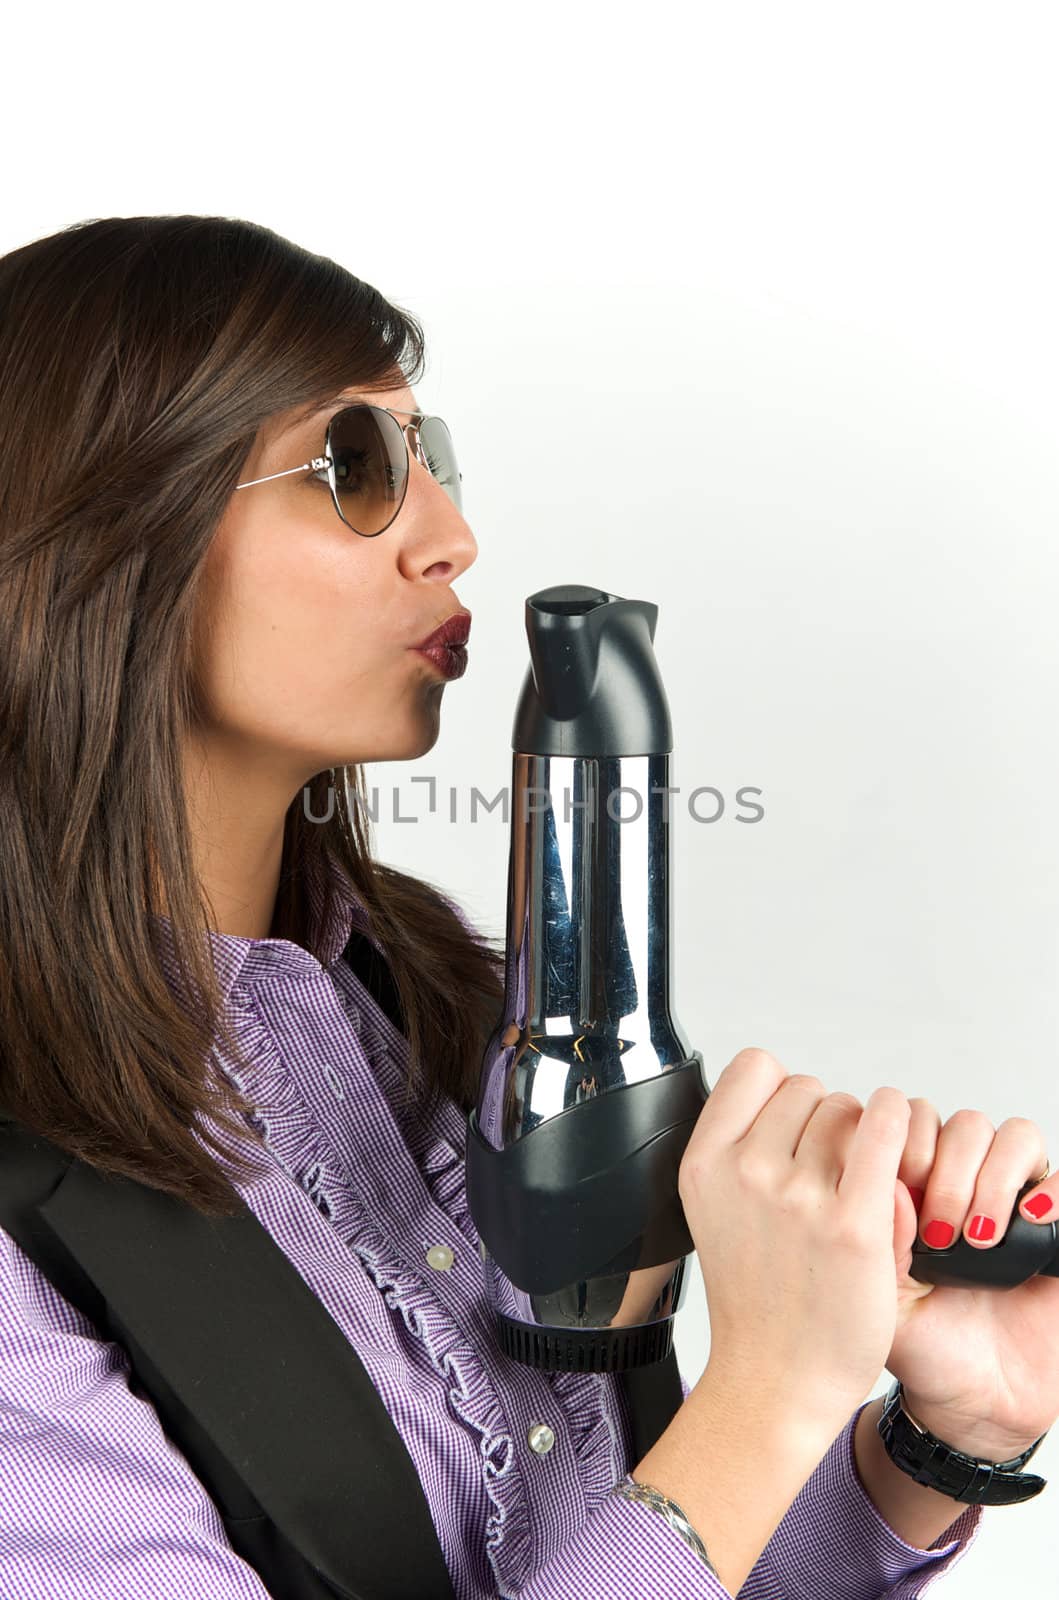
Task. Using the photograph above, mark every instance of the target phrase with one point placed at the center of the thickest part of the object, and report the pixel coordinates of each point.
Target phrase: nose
(438, 541)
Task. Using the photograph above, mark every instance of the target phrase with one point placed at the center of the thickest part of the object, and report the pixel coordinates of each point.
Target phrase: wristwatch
(930, 1461)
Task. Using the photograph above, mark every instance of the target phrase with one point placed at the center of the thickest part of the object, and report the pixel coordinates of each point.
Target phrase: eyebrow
(338, 401)
(334, 403)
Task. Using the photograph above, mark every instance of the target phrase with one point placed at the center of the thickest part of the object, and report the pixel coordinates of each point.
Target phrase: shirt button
(353, 1014)
(440, 1257)
(333, 1079)
(541, 1438)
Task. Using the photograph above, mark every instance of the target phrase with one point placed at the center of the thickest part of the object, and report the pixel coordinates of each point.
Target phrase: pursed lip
(453, 632)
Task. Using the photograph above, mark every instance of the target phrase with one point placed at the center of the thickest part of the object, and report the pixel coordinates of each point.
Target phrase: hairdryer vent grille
(585, 1349)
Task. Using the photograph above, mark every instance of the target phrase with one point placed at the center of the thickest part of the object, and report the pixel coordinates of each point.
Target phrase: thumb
(906, 1226)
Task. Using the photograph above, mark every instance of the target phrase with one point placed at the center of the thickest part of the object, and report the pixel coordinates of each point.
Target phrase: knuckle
(801, 1192)
(890, 1127)
(946, 1200)
(804, 1080)
(967, 1117)
(854, 1234)
(849, 1102)
(751, 1056)
(754, 1170)
(890, 1109)
(1019, 1125)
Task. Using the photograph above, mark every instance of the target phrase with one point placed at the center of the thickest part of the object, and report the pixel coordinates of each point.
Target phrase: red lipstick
(446, 647)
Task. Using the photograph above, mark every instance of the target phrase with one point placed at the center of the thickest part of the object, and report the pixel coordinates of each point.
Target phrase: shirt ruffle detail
(470, 1394)
(586, 1399)
(508, 1541)
(438, 1146)
(347, 1199)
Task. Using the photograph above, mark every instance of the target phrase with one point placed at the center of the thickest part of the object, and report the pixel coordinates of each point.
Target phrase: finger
(964, 1143)
(1042, 1205)
(749, 1080)
(828, 1136)
(781, 1121)
(875, 1153)
(920, 1152)
(1016, 1154)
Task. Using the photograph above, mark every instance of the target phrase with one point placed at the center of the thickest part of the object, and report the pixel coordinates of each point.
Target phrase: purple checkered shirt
(359, 1193)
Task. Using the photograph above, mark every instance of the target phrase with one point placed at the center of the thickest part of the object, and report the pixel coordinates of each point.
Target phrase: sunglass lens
(371, 467)
(441, 457)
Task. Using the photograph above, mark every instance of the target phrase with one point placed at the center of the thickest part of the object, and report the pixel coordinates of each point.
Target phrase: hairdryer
(589, 1091)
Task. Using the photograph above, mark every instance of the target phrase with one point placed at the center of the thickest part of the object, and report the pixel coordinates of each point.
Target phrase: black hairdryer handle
(1025, 1250)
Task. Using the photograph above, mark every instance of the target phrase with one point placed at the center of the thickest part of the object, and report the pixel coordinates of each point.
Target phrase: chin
(417, 743)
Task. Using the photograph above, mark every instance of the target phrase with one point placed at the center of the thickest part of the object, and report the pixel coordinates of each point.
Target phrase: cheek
(295, 630)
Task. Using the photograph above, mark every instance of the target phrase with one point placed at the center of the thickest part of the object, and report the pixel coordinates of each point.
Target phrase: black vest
(249, 1375)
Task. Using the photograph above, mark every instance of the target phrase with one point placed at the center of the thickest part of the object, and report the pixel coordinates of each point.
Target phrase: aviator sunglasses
(366, 462)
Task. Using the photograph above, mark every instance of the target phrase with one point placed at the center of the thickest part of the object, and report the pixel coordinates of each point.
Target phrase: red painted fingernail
(917, 1198)
(981, 1227)
(938, 1234)
(1039, 1206)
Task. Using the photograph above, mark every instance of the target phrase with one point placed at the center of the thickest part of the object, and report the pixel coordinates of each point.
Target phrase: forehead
(307, 424)
(400, 399)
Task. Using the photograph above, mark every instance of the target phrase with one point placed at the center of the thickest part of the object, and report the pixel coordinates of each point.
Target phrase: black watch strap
(938, 1466)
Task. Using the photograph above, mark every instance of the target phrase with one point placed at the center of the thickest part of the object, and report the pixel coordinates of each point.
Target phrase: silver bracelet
(647, 1495)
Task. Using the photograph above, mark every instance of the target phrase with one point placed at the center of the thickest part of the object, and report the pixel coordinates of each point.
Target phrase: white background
(749, 311)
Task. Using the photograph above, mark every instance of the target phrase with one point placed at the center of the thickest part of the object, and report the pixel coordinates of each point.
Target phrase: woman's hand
(788, 1195)
(980, 1367)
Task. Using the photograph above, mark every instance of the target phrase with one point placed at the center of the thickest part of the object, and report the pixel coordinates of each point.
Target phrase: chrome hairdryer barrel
(589, 1091)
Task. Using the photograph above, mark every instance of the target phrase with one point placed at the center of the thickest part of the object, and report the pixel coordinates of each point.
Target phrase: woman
(208, 624)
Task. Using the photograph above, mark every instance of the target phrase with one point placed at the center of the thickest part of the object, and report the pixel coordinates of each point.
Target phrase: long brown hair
(138, 358)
